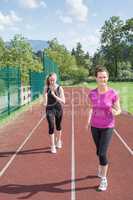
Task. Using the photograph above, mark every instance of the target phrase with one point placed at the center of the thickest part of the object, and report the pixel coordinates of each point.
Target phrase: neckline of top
(102, 93)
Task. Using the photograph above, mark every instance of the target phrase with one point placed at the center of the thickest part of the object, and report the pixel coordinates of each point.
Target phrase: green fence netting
(49, 67)
(37, 80)
(36, 84)
(9, 89)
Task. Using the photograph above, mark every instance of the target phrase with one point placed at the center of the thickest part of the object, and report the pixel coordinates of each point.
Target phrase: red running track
(36, 174)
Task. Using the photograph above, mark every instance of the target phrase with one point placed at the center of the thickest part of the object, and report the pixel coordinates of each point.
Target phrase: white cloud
(33, 3)
(8, 20)
(43, 4)
(65, 19)
(14, 17)
(77, 9)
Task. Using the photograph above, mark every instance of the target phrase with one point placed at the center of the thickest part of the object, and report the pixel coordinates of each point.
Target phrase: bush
(125, 75)
(79, 75)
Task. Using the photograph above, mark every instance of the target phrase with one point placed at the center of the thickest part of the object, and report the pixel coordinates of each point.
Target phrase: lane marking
(73, 156)
(123, 142)
(20, 147)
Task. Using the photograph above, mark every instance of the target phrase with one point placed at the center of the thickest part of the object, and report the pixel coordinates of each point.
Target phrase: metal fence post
(19, 87)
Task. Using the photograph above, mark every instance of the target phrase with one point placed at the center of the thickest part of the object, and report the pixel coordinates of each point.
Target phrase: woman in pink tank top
(103, 106)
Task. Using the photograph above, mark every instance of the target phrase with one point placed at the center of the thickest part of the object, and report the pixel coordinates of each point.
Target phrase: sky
(70, 21)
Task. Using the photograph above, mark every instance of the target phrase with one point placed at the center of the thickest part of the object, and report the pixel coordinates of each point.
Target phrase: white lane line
(123, 142)
(73, 156)
(20, 147)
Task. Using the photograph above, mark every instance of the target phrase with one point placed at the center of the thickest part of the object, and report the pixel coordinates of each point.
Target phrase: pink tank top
(102, 116)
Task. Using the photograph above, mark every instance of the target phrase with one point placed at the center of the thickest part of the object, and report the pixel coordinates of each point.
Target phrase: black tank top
(52, 102)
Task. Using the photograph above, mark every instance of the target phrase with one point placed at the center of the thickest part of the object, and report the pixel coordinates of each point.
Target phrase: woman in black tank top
(53, 100)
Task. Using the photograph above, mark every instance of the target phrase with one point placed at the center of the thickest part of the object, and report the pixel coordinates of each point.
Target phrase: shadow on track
(29, 151)
(31, 190)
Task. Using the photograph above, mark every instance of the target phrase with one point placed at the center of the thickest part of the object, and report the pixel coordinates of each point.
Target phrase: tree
(79, 55)
(19, 54)
(128, 39)
(87, 62)
(73, 52)
(2, 52)
(111, 40)
(60, 55)
(98, 59)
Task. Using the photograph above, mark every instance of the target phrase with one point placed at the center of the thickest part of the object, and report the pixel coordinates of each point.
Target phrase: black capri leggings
(102, 138)
(54, 117)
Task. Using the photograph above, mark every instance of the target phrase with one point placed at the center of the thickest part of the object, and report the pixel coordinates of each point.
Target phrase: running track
(29, 171)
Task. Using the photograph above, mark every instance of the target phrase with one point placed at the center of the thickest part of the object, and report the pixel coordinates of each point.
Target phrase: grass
(124, 89)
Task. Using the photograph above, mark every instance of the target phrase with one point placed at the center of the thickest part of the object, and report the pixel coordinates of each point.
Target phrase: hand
(114, 112)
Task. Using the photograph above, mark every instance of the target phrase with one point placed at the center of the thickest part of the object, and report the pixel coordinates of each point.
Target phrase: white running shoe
(59, 144)
(103, 184)
(53, 149)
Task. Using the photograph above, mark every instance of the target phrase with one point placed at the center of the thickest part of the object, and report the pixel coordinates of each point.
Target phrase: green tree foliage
(125, 72)
(2, 52)
(73, 65)
(112, 44)
(98, 59)
(117, 47)
(128, 31)
(79, 55)
(79, 74)
(60, 55)
(83, 59)
(128, 39)
(19, 54)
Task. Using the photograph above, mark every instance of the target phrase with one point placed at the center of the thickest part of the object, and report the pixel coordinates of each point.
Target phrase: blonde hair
(47, 79)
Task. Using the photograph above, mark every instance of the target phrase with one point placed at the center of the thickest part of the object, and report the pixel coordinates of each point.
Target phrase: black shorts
(54, 118)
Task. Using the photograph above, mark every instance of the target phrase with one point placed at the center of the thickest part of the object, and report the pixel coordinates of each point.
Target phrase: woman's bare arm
(116, 109)
(62, 97)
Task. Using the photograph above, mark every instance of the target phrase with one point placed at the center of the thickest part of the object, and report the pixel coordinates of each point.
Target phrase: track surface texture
(28, 170)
